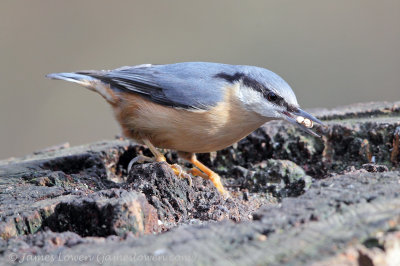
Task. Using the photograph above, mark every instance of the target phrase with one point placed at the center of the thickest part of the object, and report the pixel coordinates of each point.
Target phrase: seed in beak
(300, 119)
(305, 121)
(308, 123)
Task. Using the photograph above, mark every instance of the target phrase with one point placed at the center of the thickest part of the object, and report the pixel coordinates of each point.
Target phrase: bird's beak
(303, 120)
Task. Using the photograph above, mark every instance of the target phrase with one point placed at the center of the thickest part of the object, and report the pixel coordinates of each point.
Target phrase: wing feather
(191, 85)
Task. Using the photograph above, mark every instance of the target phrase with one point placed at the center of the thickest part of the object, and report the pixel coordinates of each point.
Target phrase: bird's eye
(272, 97)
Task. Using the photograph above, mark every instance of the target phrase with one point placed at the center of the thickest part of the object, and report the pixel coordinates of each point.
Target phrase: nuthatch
(193, 107)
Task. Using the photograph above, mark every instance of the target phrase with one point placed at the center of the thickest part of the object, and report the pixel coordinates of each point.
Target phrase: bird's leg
(159, 157)
(196, 172)
(205, 172)
(157, 154)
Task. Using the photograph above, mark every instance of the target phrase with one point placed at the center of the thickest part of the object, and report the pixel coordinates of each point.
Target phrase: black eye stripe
(246, 80)
(252, 83)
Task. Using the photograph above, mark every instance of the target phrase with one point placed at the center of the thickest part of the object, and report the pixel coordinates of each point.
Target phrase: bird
(193, 107)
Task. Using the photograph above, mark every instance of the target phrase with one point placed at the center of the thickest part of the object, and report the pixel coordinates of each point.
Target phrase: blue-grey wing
(192, 85)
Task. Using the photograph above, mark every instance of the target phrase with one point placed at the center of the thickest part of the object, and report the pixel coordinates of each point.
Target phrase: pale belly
(187, 131)
(200, 139)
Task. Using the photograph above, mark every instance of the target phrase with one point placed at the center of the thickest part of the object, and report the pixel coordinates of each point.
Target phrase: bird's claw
(179, 172)
(139, 159)
(214, 178)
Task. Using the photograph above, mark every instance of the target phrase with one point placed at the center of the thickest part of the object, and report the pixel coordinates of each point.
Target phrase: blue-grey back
(193, 85)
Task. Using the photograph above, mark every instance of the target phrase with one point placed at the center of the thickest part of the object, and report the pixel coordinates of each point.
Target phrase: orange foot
(205, 172)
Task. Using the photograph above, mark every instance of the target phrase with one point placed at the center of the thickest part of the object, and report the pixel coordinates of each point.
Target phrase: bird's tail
(86, 80)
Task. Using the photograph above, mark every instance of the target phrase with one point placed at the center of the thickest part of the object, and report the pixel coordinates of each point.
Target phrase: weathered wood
(80, 201)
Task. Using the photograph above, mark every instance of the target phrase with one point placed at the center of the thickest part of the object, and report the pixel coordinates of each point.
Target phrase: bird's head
(267, 94)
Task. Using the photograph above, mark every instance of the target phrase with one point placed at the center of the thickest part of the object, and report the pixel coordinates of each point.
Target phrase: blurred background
(331, 53)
